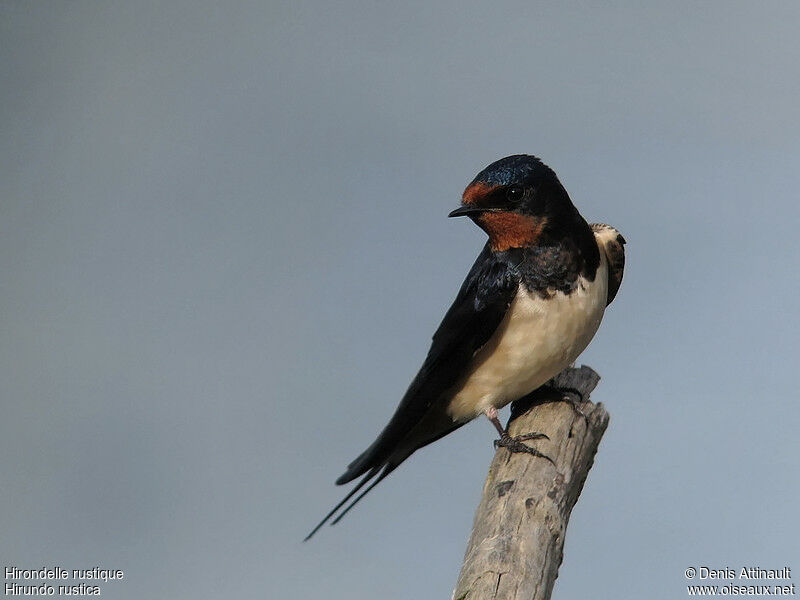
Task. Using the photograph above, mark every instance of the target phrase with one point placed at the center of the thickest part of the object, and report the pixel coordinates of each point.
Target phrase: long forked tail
(372, 473)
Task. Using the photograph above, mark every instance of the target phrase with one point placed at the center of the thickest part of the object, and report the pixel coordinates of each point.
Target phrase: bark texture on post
(517, 538)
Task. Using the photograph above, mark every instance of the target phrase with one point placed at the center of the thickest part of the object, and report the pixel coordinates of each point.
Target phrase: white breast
(536, 340)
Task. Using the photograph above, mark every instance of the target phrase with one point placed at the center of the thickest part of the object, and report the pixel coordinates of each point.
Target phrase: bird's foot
(533, 435)
(575, 399)
(515, 445)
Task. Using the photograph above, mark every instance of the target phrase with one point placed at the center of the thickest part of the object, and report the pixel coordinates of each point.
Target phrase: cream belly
(537, 338)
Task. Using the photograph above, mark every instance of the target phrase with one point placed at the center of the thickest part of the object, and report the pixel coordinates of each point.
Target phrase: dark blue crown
(514, 169)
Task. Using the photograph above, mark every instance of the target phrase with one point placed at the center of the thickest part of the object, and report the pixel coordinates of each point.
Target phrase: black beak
(467, 211)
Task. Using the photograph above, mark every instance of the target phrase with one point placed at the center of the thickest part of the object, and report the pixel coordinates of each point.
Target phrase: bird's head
(518, 201)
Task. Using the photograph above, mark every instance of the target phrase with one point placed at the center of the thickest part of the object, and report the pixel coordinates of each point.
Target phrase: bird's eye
(514, 193)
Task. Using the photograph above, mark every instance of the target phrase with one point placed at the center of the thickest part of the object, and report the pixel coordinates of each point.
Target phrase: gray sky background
(223, 250)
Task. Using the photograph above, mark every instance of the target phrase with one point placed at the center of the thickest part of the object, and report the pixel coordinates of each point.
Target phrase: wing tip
(355, 470)
(345, 478)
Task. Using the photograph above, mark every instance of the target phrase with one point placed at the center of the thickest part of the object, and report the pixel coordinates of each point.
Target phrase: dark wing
(613, 244)
(420, 418)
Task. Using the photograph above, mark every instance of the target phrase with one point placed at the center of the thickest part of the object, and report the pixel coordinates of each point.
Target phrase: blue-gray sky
(223, 250)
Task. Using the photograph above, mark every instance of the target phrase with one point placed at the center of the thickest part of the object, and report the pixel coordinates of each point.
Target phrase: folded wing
(613, 244)
(421, 416)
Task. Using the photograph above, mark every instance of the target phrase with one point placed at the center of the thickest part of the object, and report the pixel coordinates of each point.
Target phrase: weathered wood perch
(517, 538)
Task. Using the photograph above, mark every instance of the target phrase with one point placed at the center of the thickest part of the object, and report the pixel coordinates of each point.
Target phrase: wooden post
(517, 538)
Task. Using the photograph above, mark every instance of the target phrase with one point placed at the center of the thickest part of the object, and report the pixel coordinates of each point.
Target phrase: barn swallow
(529, 306)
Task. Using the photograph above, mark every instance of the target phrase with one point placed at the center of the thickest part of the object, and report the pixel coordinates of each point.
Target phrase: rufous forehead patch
(476, 192)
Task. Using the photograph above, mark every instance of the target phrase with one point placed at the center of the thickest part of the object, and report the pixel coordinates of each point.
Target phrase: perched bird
(529, 306)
